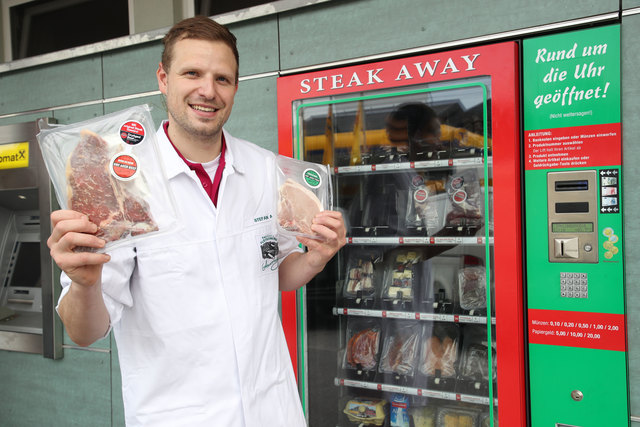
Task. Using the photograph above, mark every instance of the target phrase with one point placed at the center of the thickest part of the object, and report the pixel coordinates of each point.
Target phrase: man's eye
(191, 73)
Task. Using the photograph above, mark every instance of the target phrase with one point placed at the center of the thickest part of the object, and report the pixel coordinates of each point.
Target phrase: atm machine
(28, 322)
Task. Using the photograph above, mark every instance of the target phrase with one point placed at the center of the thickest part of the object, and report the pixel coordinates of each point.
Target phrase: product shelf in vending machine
(417, 321)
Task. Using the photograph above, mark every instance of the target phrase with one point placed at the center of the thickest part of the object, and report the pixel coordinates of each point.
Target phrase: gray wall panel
(78, 114)
(353, 28)
(156, 102)
(73, 391)
(630, 31)
(60, 83)
(254, 115)
(257, 45)
(131, 70)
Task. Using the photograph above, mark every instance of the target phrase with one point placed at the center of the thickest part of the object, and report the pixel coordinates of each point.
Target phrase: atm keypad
(574, 285)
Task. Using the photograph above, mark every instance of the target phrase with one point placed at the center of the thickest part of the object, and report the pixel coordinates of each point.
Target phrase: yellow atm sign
(14, 156)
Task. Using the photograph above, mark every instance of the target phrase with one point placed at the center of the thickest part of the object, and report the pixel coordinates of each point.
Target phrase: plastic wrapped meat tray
(109, 169)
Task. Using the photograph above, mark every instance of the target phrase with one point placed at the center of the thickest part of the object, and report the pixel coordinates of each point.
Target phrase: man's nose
(208, 89)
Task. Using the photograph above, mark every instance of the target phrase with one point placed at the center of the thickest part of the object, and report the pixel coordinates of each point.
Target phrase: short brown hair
(200, 28)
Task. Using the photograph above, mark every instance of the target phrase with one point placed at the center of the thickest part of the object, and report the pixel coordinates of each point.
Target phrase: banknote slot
(572, 207)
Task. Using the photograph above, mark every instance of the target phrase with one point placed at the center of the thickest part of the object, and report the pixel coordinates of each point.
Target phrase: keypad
(574, 285)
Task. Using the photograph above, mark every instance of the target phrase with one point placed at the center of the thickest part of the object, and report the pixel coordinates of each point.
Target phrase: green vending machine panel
(573, 225)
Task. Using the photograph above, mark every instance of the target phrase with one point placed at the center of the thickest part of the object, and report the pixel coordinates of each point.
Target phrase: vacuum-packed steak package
(109, 169)
(304, 189)
(400, 349)
(363, 344)
(466, 201)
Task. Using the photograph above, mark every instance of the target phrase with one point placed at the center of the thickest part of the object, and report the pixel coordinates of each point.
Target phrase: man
(195, 312)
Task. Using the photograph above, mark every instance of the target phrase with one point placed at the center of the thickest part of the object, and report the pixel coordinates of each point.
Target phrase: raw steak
(297, 207)
(108, 203)
(362, 349)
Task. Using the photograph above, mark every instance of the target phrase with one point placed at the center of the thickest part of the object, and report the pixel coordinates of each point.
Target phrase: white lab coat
(196, 318)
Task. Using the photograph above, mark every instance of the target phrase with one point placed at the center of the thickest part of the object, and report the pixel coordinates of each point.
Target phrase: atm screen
(26, 271)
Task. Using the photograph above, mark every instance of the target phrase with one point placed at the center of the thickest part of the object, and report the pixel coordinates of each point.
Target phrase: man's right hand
(71, 229)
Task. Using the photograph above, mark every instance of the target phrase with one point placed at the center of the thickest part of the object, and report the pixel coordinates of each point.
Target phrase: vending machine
(419, 319)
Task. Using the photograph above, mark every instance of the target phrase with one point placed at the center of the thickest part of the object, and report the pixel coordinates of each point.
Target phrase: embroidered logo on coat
(269, 249)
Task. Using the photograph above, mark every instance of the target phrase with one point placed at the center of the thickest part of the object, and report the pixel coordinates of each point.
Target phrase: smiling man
(195, 312)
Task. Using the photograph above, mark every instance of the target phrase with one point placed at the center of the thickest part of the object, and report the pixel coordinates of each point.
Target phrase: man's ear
(161, 74)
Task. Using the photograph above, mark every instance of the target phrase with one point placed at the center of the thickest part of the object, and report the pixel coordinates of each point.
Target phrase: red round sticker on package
(132, 132)
(420, 195)
(459, 196)
(124, 166)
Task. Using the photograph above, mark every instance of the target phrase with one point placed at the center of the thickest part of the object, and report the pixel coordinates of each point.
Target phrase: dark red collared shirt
(212, 188)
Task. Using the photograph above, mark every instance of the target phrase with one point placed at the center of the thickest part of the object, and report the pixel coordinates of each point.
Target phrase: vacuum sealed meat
(465, 206)
(304, 190)
(400, 349)
(474, 358)
(363, 340)
(115, 208)
(472, 286)
(426, 204)
(440, 352)
(109, 169)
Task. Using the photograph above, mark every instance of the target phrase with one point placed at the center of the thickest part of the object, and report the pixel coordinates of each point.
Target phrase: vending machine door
(418, 319)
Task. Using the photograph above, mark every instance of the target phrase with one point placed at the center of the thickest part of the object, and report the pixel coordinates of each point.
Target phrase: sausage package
(363, 345)
(304, 189)
(109, 168)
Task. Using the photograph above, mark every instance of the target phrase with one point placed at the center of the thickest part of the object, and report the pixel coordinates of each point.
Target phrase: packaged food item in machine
(472, 288)
(423, 416)
(465, 207)
(109, 168)
(304, 189)
(362, 346)
(439, 354)
(474, 360)
(426, 202)
(366, 411)
(399, 414)
(401, 278)
(362, 270)
(452, 416)
(400, 349)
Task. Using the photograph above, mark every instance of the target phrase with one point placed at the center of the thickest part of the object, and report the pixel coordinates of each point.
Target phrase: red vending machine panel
(418, 320)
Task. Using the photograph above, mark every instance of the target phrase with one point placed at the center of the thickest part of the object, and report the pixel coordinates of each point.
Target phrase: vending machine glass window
(410, 175)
